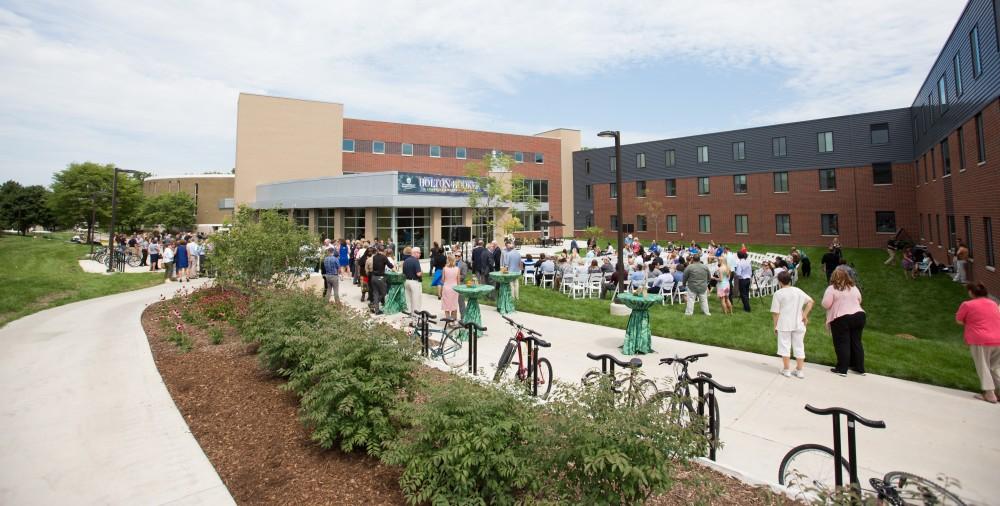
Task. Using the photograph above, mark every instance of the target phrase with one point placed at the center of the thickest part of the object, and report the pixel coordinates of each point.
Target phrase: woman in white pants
(790, 308)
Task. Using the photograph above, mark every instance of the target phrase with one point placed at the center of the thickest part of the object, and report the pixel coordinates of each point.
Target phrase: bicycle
(636, 392)
(448, 346)
(896, 487)
(539, 370)
(687, 407)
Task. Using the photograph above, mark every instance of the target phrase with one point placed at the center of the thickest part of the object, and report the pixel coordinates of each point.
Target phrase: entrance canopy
(372, 189)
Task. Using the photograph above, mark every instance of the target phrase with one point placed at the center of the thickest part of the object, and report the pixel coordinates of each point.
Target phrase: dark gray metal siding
(851, 143)
(978, 92)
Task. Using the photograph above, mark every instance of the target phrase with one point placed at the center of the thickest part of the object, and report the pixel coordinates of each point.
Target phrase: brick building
(212, 193)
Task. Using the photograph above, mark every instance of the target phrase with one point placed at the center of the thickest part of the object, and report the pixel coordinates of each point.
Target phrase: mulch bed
(249, 429)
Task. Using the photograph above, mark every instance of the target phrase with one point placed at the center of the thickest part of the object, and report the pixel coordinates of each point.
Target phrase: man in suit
(484, 265)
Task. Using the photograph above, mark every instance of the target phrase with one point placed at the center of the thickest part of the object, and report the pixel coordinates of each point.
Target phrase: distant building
(213, 195)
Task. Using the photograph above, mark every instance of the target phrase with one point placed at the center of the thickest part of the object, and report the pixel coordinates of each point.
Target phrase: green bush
(468, 444)
(276, 312)
(262, 248)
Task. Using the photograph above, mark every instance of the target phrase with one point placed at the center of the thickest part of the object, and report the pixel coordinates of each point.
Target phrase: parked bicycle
(814, 466)
(443, 343)
(534, 372)
(703, 404)
(629, 388)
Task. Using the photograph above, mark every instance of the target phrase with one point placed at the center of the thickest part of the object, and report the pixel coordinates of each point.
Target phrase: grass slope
(894, 305)
(41, 273)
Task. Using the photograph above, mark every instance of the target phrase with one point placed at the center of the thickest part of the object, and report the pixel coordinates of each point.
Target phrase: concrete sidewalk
(85, 417)
(930, 430)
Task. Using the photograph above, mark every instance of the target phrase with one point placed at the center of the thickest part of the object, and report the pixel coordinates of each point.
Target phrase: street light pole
(114, 204)
(620, 266)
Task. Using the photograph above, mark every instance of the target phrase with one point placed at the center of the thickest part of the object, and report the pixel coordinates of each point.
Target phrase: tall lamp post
(114, 209)
(620, 266)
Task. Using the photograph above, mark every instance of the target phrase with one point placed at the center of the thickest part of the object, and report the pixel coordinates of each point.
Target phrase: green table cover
(395, 301)
(472, 295)
(505, 298)
(637, 334)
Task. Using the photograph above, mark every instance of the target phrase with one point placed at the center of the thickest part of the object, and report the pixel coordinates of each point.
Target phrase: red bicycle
(535, 373)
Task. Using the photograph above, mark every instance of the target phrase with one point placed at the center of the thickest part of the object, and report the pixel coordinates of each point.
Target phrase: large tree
(22, 207)
(81, 193)
(499, 189)
(173, 211)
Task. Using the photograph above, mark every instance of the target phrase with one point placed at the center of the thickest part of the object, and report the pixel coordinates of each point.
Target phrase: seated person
(637, 277)
(545, 267)
(661, 282)
(594, 268)
(607, 266)
(610, 284)
(678, 275)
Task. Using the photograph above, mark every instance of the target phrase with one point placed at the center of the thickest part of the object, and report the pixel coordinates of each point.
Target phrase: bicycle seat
(635, 362)
(875, 424)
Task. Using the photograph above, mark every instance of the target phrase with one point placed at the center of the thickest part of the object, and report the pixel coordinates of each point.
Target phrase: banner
(436, 185)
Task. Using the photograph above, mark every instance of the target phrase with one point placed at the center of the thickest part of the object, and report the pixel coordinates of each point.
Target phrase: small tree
(173, 211)
(262, 248)
(495, 194)
(653, 209)
(593, 233)
(511, 225)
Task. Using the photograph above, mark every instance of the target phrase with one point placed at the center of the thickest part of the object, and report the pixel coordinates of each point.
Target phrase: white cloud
(154, 85)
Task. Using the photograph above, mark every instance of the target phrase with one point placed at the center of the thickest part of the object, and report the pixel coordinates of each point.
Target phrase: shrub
(468, 444)
(262, 248)
(274, 312)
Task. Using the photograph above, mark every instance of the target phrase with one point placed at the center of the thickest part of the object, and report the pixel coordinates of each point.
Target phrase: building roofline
(290, 98)
(530, 136)
(190, 176)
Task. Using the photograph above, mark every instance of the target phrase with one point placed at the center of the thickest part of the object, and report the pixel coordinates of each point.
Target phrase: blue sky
(153, 85)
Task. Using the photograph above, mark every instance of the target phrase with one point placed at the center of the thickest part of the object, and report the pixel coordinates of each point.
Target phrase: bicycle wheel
(451, 351)
(544, 378)
(591, 378)
(811, 467)
(713, 422)
(642, 392)
(505, 357)
(671, 402)
(913, 489)
(134, 260)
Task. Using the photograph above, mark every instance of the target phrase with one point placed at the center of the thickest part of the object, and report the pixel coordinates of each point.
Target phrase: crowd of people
(181, 256)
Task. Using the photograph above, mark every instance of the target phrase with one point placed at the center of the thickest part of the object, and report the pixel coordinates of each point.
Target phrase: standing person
(744, 273)
(193, 257)
(181, 261)
(846, 319)
(463, 272)
(154, 255)
(790, 309)
(438, 261)
(144, 245)
(331, 274)
(168, 262)
(413, 285)
(722, 285)
(696, 277)
(362, 269)
(830, 262)
(961, 261)
(512, 260)
(343, 257)
(485, 265)
(981, 318)
(376, 278)
(450, 278)
(806, 264)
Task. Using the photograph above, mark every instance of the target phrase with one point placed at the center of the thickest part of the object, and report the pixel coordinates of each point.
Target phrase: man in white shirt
(790, 309)
(192, 250)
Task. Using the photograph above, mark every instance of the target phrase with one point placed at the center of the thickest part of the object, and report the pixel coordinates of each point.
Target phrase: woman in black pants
(846, 320)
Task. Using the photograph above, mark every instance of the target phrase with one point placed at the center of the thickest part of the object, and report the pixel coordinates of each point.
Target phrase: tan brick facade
(208, 190)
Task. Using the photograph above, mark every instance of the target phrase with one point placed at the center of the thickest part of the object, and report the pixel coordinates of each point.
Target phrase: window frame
(745, 220)
(824, 142)
(895, 226)
(519, 157)
(883, 165)
(825, 219)
(823, 180)
(945, 157)
(671, 223)
(430, 151)
(980, 140)
(640, 160)
(354, 145)
(977, 61)
(464, 152)
(586, 165)
(871, 133)
(704, 223)
(402, 149)
(613, 163)
(960, 133)
(640, 189)
(739, 151)
(774, 181)
(699, 151)
(613, 190)
(588, 191)
(991, 261)
(942, 86)
(670, 158)
(787, 221)
(539, 158)
(707, 186)
(967, 223)
(746, 184)
(956, 67)
(374, 143)
(640, 219)
(613, 222)
(670, 183)
(779, 147)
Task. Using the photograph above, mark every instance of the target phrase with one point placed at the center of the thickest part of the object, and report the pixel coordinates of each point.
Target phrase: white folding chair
(567, 283)
(579, 286)
(594, 285)
(529, 274)
(548, 280)
(667, 291)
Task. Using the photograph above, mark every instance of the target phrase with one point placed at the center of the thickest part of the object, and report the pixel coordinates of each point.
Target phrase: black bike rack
(423, 323)
(703, 379)
(608, 363)
(852, 449)
(473, 330)
(533, 344)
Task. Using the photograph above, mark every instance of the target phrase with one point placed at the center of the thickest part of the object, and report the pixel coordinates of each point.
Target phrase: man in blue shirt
(512, 260)
(654, 248)
(331, 275)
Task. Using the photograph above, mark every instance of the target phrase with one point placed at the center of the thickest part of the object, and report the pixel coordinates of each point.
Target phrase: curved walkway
(85, 417)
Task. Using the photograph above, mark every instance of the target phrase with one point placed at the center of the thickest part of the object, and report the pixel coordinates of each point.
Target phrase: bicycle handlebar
(690, 359)
(522, 327)
(635, 362)
(875, 424)
(715, 384)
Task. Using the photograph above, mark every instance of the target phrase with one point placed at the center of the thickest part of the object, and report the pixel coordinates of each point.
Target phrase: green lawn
(39, 273)
(895, 306)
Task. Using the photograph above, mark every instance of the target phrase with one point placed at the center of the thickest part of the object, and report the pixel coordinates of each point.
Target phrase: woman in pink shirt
(981, 318)
(846, 320)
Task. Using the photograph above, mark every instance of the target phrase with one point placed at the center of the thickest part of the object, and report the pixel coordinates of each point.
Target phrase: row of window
(885, 222)
(934, 223)
(881, 175)
(434, 151)
(946, 153)
(879, 134)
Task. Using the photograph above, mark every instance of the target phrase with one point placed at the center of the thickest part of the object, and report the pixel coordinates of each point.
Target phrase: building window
(977, 63)
(778, 146)
(324, 223)
(827, 179)
(383, 222)
(589, 191)
(702, 154)
(451, 219)
(980, 139)
(586, 165)
(882, 173)
(933, 165)
(879, 133)
(481, 224)
(740, 183)
(671, 187)
(532, 220)
(705, 223)
(951, 231)
(378, 147)
(435, 151)
(703, 188)
(988, 242)
(824, 141)
(670, 157)
(348, 145)
(539, 158)
(534, 189)
(461, 153)
(956, 66)
(921, 221)
(930, 227)
(614, 165)
(968, 235)
(782, 224)
(406, 149)
(614, 222)
(780, 182)
(671, 223)
(942, 95)
(301, 217)
(742, 224)
(945, 158)
(614, 190)
(413, 227)
(640, 188)
(740, 150)
(929, 109)
(640, 161)
(640, 223)
(518, 157)
(829, 224)
(961, 149)
(885, 221)
(354, 223)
